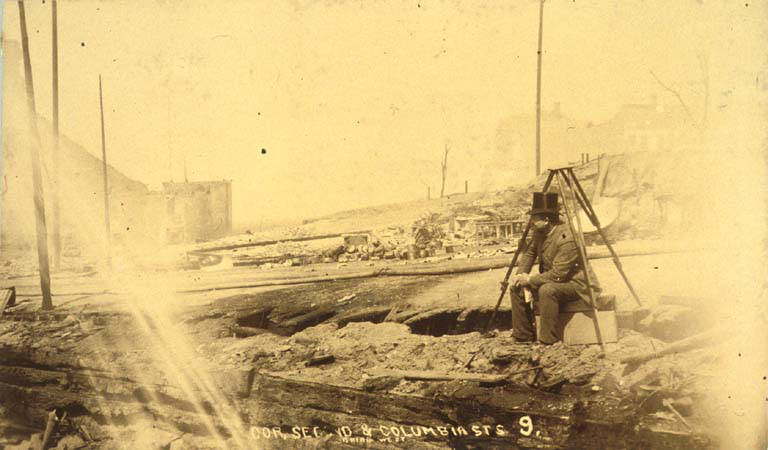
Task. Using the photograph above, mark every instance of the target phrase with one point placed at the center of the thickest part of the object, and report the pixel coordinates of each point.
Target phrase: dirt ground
(184, 344)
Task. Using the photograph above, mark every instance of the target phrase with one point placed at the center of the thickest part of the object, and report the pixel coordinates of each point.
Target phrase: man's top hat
(544, 203)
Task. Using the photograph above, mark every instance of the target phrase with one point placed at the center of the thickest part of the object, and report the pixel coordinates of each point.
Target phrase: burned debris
(380, 315)
(166, 283)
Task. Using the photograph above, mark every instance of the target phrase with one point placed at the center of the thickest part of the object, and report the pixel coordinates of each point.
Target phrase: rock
(304, 340)
(502, 355)
(673, 322)
(320, 360)
(684, 405)
(346, 298)
(316, 333)
(70, 442)
(70, 319)
(380, 383)
(619, 181)
(178, 444)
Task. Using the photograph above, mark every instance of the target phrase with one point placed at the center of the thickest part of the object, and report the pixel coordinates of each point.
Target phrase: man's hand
(521, 279)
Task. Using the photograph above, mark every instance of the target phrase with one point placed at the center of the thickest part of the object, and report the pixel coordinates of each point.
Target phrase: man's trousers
(548, 297)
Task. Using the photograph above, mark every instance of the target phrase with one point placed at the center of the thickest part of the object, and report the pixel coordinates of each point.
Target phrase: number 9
(526, 425)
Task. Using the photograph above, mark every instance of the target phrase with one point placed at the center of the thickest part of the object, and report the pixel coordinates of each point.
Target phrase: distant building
(197, 211)
(465, 225)
(516, 140)
(653, 127)
(180, 212)
(649, 126)
(485, 225)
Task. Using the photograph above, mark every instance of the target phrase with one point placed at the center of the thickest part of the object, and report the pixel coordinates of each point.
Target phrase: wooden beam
(276, 241)
(431, 375)
(7, 298)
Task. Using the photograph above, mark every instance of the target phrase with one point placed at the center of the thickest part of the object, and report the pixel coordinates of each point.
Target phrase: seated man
(561, 278)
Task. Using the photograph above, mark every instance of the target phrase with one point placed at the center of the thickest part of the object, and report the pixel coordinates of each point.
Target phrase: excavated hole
(257, 320)
(75, 409)
(447, 323)
(438, 324)
(287, 327)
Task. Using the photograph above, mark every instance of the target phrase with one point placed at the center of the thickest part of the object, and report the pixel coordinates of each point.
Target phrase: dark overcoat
(559, 261)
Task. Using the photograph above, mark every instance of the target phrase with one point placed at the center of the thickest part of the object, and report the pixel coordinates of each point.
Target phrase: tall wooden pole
(56, 159)
(538, 90)
(106, 182)
(37, 182)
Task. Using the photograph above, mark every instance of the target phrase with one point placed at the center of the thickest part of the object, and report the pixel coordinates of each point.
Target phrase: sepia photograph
(384, 224)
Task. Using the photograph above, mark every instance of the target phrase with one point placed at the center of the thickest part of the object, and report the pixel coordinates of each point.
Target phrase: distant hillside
(640, 195)
(649, 194)
(377, 217)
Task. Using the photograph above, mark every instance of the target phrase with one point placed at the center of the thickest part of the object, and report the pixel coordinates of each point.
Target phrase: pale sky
(353, 101)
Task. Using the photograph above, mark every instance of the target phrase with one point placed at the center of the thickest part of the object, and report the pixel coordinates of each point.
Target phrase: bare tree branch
(704, 65)
(677, 95)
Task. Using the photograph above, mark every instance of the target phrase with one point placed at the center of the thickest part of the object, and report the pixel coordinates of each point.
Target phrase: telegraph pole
(37, 182)
(538, 91)
(106, 182)
(56, 156)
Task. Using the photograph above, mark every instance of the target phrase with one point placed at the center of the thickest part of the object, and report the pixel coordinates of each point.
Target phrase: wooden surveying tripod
(569, 184)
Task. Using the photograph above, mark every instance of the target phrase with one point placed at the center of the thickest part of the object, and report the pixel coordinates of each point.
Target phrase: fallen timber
(271, 409)
(273, 241)
(37, 380)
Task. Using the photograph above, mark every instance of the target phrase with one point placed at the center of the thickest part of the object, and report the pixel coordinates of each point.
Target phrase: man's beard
(540, 226)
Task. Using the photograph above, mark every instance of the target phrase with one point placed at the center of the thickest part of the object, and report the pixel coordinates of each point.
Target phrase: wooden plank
(684, 345)
(431, 375)
(271, 403)
(7, 298)
(285, 403)
(276, 241)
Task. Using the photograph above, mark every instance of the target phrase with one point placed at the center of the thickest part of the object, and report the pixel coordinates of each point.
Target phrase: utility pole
(538, 90)
(106, 182)
(37, 181)
(56, 156)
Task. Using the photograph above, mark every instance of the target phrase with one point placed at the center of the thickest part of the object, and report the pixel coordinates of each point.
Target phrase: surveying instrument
(571, 191)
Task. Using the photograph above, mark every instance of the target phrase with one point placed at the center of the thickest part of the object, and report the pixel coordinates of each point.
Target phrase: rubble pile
(325, 332)
(361, 349)
(653, 197)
